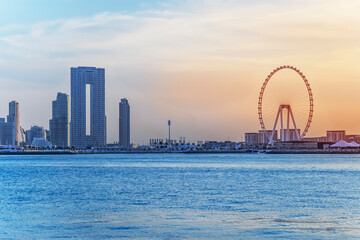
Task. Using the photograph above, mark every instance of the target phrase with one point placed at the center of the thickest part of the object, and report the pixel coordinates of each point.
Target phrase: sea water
(180, 196)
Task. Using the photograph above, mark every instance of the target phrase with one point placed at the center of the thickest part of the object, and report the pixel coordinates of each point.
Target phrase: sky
(199, 63)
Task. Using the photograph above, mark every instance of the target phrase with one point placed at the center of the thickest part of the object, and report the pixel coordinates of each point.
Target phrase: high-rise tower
(124, 123)
(14, 118)
(80, 78)
(59, 124)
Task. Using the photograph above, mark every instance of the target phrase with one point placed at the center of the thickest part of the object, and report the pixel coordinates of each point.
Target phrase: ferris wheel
(286, 91)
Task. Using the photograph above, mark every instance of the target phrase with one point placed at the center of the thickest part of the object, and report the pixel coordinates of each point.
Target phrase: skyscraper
(124, 123)
(95, 78)
(14, 118)
(59, 124)
(10, 130)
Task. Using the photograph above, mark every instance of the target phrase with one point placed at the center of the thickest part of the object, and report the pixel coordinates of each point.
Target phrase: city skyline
(206, 72)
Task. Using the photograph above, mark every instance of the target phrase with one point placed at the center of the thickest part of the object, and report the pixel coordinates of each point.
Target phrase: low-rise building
(251, 138)
(217, 146)
(296, 145)
(35, 132)
(155, 143)
(335, 136)
(350, 138)
(40, 142)
(260, 138)
(264, 136)
(314, 139)
(292, 135)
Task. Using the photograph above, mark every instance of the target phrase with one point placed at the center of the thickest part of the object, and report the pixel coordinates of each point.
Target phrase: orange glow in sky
(200, 64)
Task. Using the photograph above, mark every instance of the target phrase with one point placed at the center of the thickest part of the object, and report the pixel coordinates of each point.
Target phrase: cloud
(190, 57)
(198, 31)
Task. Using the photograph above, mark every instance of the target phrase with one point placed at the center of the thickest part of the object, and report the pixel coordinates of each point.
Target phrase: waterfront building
(251, 138)
(307, 145)
(220, 146)
(263, 136)
(314, 139)
(171, 142)
(124, 123)
(351, 138)
(59, 124)
(10, 130)
(14, 117)
(182, 140)
(35, 132)
(156, 143)
(260, 138)
(292, 135)
(335, 136)
(95, 79)
(7, 133)
(2, 124)
(41, 142)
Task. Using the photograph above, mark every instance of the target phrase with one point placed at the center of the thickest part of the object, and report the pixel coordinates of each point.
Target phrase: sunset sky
(199, 63)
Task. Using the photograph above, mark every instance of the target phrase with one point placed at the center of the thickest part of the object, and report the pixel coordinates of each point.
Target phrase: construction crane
(23, 134)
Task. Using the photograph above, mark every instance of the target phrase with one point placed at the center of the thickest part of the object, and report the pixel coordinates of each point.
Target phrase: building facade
(351, 138)
(10, 129)
(80, 78)
(260, 138)
(124, 123)
(335, 136)
(296, 145)
(263, 136)
(251, 138)
(314, 139)
(35, 132)
(14, 117)
(60, 124)
(292, 135)
(8, 133)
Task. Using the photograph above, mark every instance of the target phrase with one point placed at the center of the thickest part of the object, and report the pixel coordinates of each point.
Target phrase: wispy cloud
(200, 31)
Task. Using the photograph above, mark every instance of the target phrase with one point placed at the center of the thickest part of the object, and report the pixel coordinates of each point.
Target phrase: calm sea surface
(180, 196)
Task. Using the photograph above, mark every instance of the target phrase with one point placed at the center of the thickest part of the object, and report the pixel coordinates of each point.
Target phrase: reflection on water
(174, 196)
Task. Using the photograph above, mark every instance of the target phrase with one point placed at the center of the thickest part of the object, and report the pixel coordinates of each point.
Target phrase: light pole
(169, 124)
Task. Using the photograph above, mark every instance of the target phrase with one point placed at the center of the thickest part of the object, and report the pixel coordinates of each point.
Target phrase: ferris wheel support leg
(293, 120)
(271, 140)
(282, 123)
(288, 125)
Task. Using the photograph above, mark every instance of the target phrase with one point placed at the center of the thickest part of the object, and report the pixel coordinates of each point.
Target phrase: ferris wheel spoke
(286, 86)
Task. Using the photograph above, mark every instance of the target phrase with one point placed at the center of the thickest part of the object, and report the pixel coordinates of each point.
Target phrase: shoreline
(280, 152)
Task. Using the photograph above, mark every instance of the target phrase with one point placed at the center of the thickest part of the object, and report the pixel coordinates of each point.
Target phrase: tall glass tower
(59, 124)
(14, 118)
(80, 78)
(124, 123)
